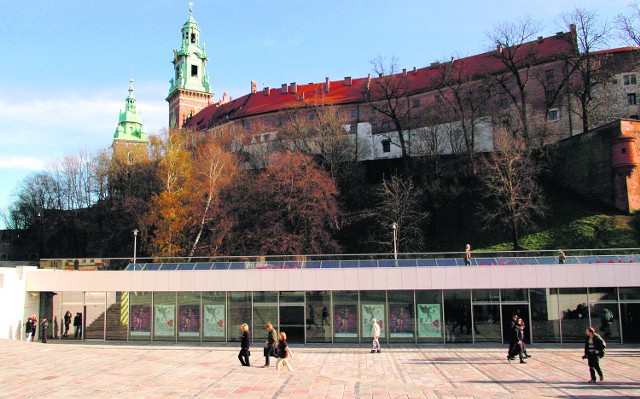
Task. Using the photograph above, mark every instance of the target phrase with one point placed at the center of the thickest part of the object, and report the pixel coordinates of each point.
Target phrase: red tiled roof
(616, 50)
(421, 80)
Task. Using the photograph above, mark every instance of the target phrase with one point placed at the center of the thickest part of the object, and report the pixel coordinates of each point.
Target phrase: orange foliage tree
(289, 208)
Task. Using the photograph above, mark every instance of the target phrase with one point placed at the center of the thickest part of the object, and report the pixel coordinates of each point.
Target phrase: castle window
(631, 99)
(374, 128)
(193, 38)
(629, 80)
(550, 96)
(554, 115)
(416, 103)
(503, 103)
(353, 129)
(373, 111)
(438, 99)
(353, 113)
(247, 125)
(130, 158)
(311, 116)
(194, 70)
(548, 74)
(385, 126)
(279, 121)
(386, 145)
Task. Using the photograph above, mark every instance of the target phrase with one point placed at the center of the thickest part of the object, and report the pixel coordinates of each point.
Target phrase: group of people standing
(77, 325)
(275, 346)
(31, 327)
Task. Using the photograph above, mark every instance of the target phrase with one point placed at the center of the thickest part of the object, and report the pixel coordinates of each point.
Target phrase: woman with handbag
(244, 346)
(284, 353)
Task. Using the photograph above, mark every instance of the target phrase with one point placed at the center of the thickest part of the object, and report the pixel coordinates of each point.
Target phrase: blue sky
(66, 64)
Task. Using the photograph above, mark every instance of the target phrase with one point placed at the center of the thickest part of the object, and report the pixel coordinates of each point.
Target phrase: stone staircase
(116, 323)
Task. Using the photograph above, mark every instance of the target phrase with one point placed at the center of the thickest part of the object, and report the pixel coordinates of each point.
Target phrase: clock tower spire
(190, 90)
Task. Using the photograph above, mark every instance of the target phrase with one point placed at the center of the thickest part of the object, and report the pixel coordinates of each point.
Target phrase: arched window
(193, 38)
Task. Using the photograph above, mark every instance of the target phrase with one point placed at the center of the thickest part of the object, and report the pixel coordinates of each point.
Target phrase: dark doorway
(292, 322)
(522, 310)
(630, 322)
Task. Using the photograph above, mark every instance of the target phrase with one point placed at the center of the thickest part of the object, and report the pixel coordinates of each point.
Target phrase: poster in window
(400, 323)
(214, 321)
(189, 320)
(346, 321)
(140, 320)
(429, 323)
(370, 312)
(164, 320)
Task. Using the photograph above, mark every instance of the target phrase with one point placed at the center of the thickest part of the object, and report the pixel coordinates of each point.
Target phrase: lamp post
(395, 242)
(135, 242)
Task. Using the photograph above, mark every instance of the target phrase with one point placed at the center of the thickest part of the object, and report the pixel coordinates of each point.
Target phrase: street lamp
(395, 242)
(135, 242)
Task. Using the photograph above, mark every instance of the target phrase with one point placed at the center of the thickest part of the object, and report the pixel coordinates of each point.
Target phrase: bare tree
(586, 72)
(388, 94)
(518, 55)
(629, 25)
(512, 193)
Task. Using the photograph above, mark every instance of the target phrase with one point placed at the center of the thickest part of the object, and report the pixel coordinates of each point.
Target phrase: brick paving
(153, 370)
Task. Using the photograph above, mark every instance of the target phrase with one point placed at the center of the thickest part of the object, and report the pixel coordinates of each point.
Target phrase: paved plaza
(153, 370)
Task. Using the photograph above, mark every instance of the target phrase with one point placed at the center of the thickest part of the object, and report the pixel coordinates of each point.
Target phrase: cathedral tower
(190, 91)
(130, 138)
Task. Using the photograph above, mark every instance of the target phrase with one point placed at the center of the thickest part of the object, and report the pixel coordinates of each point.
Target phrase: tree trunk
(201, 226)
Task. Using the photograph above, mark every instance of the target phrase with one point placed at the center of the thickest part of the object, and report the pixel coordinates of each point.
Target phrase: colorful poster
(189, 320)
(400, 321)
(140, 320)
(429, 323)
(164, 320)
(370, 312)
(213, 321)
(346, 322)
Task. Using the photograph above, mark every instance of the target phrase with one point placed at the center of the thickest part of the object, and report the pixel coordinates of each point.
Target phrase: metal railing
(343, 261)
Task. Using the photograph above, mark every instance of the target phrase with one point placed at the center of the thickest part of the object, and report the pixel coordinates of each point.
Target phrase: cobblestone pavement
(121, 370)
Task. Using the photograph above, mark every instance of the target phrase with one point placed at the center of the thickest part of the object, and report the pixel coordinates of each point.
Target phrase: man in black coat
(44, 326)
(513, 338)
(77, 325)
(594, 347)
(244, 346)
(272, 341)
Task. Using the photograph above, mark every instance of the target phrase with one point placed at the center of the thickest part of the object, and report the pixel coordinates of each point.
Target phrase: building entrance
(292, 322)
(522, 310)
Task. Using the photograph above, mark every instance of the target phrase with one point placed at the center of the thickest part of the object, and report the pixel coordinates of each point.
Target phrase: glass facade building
(435, 316)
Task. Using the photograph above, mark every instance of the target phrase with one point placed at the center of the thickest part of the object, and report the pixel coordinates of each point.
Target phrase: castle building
(130, 138)
(190, 91)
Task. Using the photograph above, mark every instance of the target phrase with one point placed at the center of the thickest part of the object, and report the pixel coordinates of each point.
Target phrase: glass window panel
(265, 310)
(57, 325)
(140, 316)
(574, 313)
(426, 262)
(629, 293)
(429, 316)
(457, 313)
(401, 316)
(345, 316)
(630, 322)
(239, 313)
(164, 316)
(514, 295)
(603, 294)
(373, 306)
(606, 320)
(486, 320)
(508, 311)
(214, 316)
(545, 315)
(188, 320)
(486, 295)
(318, 316)
(94, 315)
(117, 315)
(74, 303)
(291, 297)
(292, 320)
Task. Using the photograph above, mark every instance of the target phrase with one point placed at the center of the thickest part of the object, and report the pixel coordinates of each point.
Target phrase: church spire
(190, 89)
(130, 120)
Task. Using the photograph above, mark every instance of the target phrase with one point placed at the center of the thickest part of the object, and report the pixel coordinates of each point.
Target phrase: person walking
(284, 353)
(270, 348)
(325, 316)
(77, 325)
(467, 255)
(513, 338)
(67, 323)
(30, 327)
(375, 333)
(562, 258)
(44, 326)
(519, 341)
(244, 346)
(594, 347)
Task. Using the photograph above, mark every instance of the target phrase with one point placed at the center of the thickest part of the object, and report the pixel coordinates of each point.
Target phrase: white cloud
(21, 162)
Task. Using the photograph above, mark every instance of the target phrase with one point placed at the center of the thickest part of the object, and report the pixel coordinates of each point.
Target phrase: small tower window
(193, 38)
(194, 70)
(130, 158)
